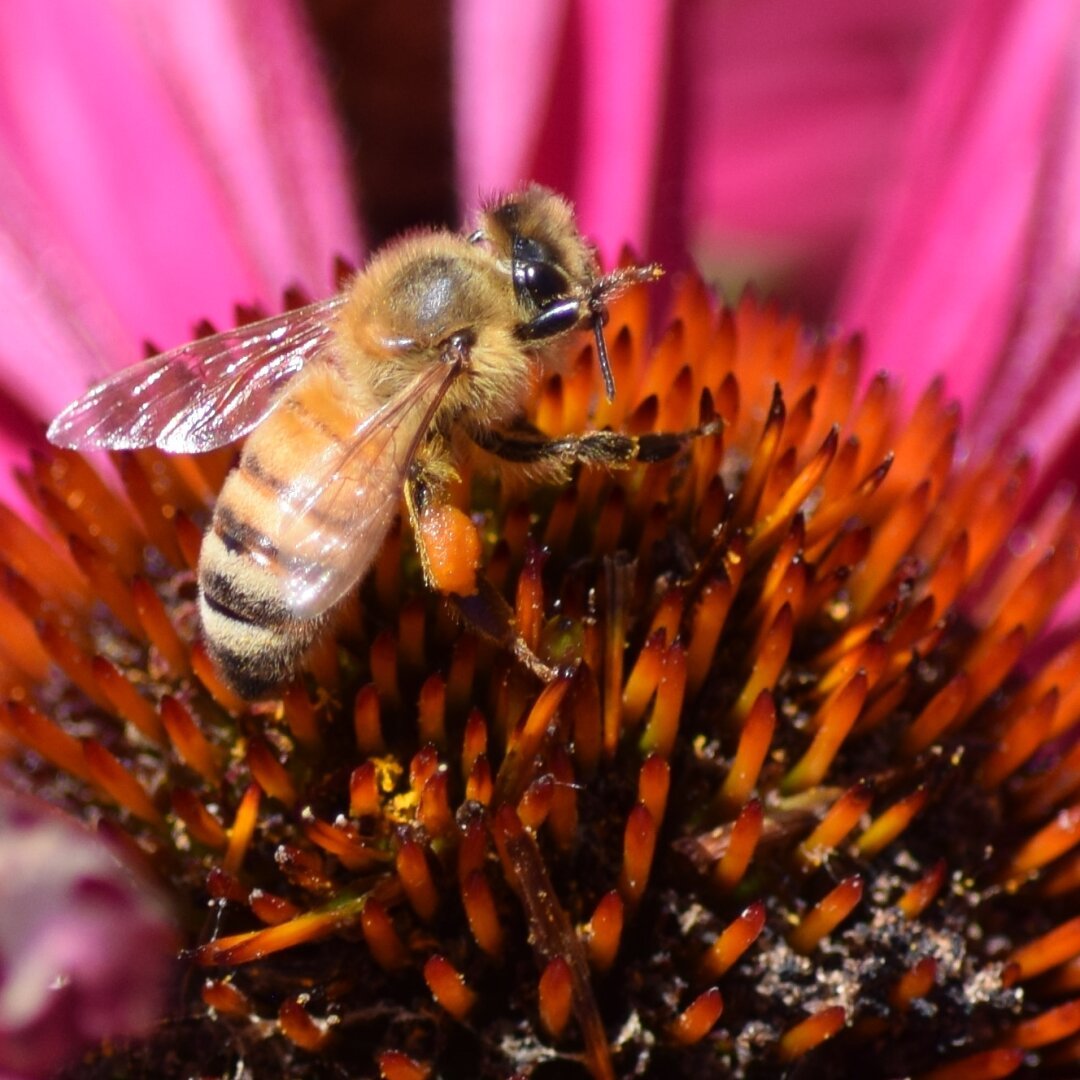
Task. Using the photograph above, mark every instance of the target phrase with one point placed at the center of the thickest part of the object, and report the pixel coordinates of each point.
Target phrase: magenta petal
(603, 126)
(938, 281)
(58, 325)
(164, 161)
(259, 117)
(85, 947)
(1035, 389)
(795, 113)
(1045, 413)
(504, 63)
(625, 59)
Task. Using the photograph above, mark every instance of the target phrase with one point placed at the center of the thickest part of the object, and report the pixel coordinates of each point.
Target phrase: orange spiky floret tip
(804, 797)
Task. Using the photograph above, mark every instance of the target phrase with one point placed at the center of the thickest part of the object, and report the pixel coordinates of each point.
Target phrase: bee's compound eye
(541, 281)
(536, 273)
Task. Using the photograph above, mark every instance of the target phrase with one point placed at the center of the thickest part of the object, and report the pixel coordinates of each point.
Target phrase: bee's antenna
(599, 319)
(609, 285)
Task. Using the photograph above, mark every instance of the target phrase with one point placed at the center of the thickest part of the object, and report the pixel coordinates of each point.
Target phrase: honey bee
(354, 400)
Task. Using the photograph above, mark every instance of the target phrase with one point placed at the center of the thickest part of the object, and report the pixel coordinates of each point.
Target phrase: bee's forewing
(335, 514)
(202, 395)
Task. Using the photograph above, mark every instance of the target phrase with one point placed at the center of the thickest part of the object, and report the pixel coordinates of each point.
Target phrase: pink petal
(504, 66)
(1035, 389)
(937, 282)
(575, 105)
(162, 162)
(625, 76)
(85, 947)
(1046, 408)
(261, 120)
(794, 115)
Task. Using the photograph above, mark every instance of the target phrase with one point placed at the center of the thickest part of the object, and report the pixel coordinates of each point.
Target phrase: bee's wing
(201, 395)
(335, 515)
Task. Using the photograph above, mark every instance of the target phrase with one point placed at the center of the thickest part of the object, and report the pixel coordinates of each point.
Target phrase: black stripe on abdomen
(227, 596)
(241, 538)
(253, 676)
(256, 474)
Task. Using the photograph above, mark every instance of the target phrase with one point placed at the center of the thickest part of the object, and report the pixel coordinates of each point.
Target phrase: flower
(808, 714)
(796, 796)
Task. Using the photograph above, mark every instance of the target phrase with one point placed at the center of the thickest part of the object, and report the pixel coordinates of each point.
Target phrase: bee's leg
(488, 613)
(418, 496)
(446, 541)
(478, 602)
(609, 448)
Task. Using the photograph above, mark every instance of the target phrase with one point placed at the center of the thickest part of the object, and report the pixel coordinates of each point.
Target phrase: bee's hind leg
(418, 496)
(488, 613)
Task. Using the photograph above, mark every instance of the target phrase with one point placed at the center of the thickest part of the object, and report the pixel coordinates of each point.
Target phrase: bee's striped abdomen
(250, 632)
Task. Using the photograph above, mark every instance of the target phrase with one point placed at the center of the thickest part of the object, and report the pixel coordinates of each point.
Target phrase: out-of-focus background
(758, 136)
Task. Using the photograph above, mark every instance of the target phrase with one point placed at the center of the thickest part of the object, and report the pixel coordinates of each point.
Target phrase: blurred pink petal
(575, 104)
(939, 280)
(1034, 389)
(160, 162)
(626, 56)
(504, 65)
(85, 949)
(794, 116)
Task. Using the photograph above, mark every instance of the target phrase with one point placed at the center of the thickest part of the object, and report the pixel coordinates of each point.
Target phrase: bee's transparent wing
(202, 395)
(335, 515)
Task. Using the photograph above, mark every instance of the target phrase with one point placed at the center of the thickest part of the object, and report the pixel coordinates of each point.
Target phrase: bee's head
(534, 234)
(554, 269)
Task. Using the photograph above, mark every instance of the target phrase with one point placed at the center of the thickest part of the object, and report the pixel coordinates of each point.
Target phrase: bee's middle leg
(447, 541)
(478, 602)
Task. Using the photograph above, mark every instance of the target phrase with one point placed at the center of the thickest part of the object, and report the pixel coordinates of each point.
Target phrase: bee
(353, 401)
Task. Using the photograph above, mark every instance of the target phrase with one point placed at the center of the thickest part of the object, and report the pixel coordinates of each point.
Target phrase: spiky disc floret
(804, 797)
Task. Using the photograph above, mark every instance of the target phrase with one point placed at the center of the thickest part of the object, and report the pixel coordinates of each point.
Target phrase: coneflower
(802, 798)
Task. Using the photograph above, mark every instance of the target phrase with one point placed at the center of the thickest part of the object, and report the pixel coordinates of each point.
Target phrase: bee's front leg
(613, 449)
